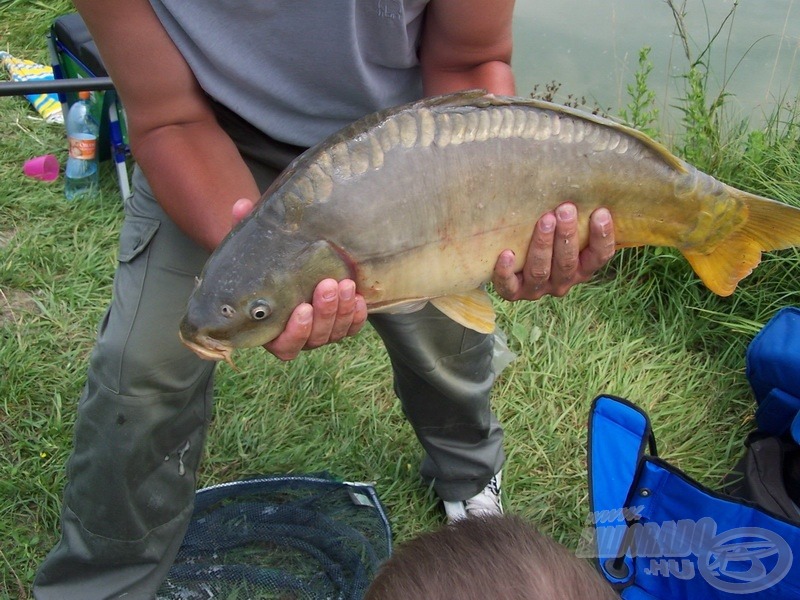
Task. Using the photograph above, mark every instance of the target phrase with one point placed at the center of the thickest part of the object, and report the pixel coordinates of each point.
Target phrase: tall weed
(641, 111)
(703, 117)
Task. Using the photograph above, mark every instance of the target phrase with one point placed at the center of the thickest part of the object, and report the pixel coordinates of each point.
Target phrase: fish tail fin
(770, 225)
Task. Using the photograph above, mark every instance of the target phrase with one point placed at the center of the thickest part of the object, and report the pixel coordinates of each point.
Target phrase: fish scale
(416, 203)
(442, 129)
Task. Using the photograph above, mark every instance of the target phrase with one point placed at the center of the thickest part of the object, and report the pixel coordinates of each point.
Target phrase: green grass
(646, 330)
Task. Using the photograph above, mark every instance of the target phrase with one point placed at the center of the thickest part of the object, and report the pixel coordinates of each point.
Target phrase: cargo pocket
(135, 236)
(114, 330)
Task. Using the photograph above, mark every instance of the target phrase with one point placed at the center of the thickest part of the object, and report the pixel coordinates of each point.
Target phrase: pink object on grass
(42, 167)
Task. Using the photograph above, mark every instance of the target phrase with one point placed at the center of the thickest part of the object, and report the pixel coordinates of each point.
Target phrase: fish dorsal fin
(471, 309)
(474, 97)
(480, 98)
(659, 149)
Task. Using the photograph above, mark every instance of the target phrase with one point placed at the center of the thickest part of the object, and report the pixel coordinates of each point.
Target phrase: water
(81, 170)
(81, 179)
(592, 49)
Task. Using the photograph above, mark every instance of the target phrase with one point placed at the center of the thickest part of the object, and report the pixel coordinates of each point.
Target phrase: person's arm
(192, 165)
(190, 162)
(467, 44)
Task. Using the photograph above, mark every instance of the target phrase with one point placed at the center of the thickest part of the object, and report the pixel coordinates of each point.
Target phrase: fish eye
(227, 310)
(260, 309)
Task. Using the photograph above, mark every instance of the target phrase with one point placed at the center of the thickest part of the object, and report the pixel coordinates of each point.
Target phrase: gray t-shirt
(299, 70)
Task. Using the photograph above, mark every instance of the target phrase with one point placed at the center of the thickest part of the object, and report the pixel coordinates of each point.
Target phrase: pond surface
(592, 50)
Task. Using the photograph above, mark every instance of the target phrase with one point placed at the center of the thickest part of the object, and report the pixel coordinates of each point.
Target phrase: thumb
(241, 208)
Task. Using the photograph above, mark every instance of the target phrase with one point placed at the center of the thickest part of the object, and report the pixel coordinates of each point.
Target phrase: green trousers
(145, 409)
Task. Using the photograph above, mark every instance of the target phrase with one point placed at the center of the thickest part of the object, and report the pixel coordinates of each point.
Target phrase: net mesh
(281, 537)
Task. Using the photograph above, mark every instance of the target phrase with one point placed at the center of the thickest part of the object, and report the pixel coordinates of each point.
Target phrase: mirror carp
(416, 203)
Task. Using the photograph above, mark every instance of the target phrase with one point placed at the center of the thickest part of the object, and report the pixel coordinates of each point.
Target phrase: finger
(326, 305)
(295, 336)
(539, 263)
(241, 208)
(602, 244)
(506, 282)
(565, 249)
(359, 316)
(345, 310)
(351, 313)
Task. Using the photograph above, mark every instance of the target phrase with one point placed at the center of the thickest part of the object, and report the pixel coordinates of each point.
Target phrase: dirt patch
(14, 304)
(6, 236)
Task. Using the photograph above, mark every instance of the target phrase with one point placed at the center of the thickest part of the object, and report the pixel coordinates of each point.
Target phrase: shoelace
(488, 501)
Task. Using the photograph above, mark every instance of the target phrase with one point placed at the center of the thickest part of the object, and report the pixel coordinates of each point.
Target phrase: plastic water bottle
(81, 170)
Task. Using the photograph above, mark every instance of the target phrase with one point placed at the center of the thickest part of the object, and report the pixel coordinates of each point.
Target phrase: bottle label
(83, 148)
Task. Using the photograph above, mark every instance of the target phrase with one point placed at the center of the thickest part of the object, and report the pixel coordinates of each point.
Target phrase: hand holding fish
(555, 262)
(335, 312)
(416, 203)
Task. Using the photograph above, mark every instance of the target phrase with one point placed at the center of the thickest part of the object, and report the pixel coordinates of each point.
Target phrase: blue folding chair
(659, 535)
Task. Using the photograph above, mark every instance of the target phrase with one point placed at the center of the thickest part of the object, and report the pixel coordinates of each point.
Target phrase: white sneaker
(485, 502)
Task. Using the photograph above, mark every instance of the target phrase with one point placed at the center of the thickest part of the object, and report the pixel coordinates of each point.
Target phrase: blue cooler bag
(659, 535)
(773, 369)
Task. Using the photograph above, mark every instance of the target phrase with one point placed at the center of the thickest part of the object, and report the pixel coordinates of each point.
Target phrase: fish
(415, 204)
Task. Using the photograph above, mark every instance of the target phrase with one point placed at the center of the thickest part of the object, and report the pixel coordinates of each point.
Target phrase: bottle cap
(83, 95)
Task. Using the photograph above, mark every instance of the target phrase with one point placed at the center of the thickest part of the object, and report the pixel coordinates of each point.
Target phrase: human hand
(335, 312)
(554, 262)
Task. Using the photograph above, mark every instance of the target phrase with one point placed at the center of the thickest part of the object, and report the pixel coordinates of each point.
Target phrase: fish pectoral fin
(722, 269)
(403, 307)
(471, 309)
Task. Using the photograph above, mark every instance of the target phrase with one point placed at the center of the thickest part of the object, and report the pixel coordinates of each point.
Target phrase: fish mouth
(209, 349)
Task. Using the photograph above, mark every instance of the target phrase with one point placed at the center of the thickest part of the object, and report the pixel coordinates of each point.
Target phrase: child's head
(487, 557)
